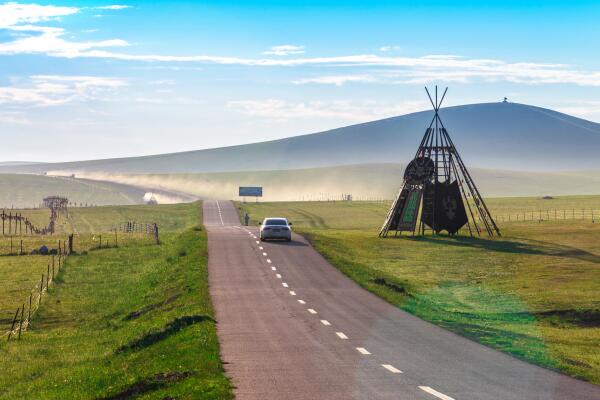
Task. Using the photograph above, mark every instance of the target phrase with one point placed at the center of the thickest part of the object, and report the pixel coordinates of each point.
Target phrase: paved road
(291, 326)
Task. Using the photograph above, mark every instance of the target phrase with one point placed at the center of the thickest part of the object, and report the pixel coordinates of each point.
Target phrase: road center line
(435, 393)
(325, 322)
(269, 261)
(274, 269)
(264, 254)
(284, 284)
(292, 293)
(391, 368)
(364, 351)
(341, 335)
(278, 276)
(310, 310)
(301, 302)
(260, 247)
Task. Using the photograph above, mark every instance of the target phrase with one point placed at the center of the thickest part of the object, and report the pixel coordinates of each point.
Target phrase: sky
(92, 79)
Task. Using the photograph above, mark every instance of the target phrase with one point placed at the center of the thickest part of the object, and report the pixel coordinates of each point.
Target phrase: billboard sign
(251, 191)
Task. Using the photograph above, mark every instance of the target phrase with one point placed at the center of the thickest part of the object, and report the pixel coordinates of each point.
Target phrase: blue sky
(87, 79)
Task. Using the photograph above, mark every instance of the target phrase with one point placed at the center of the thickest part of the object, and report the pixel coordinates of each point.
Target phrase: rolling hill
(23, 191)
(490, 135)
(366, 181)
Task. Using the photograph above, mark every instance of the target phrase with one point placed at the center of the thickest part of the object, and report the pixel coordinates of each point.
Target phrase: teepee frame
(437, 148)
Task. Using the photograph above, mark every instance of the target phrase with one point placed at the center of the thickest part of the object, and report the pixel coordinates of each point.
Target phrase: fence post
(14, 321)
(71, 243)
(29, 311)
(21, 321)
(156, 234)
(47, 277)
(41, 290)
(21, 246)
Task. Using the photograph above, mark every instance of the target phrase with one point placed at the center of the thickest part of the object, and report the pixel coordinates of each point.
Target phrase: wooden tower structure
(438, 193)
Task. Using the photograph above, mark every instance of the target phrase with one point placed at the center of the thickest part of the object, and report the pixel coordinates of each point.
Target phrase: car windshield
(282, 222)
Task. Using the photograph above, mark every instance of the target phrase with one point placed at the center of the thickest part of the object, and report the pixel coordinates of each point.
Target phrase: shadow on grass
(535, 247)
(314, 220)
(149, 384)
(170, 329)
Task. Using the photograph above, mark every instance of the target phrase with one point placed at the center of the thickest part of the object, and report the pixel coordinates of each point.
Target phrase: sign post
(250, 191)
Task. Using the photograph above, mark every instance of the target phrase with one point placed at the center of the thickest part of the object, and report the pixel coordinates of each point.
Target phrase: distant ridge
(488, 135)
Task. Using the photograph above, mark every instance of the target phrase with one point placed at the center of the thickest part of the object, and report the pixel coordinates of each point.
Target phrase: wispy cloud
(113, 7)
(281, 110)
(285, 50)
(337, 80)
(55, 90)
(389, 48)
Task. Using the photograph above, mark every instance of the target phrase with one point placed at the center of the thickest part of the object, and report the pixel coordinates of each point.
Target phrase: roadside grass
(127, 322)
(533, 293)
(91, 225)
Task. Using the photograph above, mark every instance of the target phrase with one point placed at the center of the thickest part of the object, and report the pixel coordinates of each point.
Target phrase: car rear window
(276, 222)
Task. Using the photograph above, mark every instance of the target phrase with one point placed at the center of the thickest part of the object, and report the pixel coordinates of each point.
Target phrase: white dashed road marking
(435, 393)
(284, 284)
(391, 368)
(260, 247)
(301, 302)
(274, 269)
(341, 335)
(362, 350)
(292, 293)
(310, 310)
(269, 261)
(325, 322)
(264, 254)
(278, 276)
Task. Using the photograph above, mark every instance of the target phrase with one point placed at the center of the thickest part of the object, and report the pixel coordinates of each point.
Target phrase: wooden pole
(14, 321)
(21, 320)
(29, 311)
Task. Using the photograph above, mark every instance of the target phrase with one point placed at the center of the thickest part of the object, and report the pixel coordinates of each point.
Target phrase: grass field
(132, 321)
(89, 225)
(533, 293)
(23, 190)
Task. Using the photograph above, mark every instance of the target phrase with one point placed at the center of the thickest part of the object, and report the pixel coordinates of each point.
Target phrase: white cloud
(12, 14)
(337, 80)
(281, 110)
(582, 109)
(41, 39)
(389, 48)
(285, 50)
(54, 90)
(113, 7)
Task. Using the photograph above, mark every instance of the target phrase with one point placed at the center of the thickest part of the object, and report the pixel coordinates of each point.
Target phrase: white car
(276, 228)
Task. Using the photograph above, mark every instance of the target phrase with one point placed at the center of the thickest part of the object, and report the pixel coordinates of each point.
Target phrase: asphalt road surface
(291, 326)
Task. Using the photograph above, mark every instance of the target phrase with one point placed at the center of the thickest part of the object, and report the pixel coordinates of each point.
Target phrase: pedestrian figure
(246, 219)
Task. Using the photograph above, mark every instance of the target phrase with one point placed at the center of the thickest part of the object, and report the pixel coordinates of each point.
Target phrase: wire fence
(124, 234)
(22, 317)
(573, 214)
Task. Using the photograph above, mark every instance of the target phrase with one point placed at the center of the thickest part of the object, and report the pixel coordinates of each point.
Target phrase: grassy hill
(21, 190)
(490, 135)
(362, 181)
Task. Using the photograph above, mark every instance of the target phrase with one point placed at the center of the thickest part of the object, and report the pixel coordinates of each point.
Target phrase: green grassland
(133, 321)
(533, 293)
(90, 225)
(25, 191)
